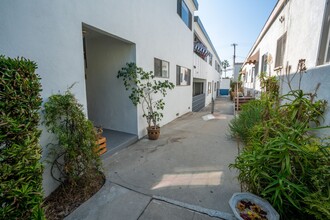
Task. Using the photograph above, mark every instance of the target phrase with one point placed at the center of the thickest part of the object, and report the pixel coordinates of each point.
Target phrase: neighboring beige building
(295, 30)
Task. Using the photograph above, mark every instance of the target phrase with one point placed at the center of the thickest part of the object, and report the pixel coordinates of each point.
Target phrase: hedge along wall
(20, 167)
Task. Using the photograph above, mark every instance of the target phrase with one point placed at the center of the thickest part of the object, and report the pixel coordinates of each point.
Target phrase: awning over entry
(254, 58)
(201, 49)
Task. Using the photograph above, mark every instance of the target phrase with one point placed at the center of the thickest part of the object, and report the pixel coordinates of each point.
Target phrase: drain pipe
(212, 109)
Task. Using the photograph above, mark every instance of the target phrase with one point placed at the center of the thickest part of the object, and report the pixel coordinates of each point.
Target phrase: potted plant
(247, 206)
(143, 88)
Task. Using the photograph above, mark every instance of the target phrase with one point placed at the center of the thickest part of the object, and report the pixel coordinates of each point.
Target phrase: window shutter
(256, 69)
(189, 77)
(280, 49)
(157, 67)
(190, 20)
(283, 48)
(179, 2)
(178, 75)
(324, 41)
(278, 53)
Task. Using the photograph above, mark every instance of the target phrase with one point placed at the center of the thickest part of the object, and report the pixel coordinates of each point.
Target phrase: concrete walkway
(183, 175)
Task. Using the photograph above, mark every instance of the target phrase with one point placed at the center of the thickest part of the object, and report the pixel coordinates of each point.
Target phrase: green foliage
(224, 64)
(233, 85)
(318, 202)
(20, 168)
(282, 160)
(143, 88)
(75, 153)
(270, 86)
(250, 115)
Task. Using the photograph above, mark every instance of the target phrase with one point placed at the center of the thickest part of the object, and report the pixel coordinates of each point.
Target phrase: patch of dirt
(67, 197)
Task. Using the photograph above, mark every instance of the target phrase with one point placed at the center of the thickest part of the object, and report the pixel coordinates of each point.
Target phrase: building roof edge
(198, 21)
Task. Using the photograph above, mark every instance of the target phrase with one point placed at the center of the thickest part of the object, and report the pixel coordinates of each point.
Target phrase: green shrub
(20, 168)
(251, 114)
(318, 202)
(75, 153)
(284, 162)
(270, 86)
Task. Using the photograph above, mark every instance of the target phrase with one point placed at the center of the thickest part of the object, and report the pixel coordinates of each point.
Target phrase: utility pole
(234, 57)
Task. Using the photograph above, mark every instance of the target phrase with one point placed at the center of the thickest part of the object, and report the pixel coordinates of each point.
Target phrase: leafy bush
(318, 202)
(75, 153)
(251, 114)
(21, 171)
(283, 161)
(270, 86)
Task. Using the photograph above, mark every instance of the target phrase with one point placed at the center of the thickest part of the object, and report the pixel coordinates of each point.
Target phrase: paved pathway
(183, 175)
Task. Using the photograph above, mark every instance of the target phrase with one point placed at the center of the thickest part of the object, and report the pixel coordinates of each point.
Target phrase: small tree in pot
(143, 88)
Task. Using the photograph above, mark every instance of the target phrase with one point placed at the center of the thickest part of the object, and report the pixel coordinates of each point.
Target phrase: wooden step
(240, 101)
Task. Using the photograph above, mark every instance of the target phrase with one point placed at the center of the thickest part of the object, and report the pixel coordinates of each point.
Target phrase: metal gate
(198, 102)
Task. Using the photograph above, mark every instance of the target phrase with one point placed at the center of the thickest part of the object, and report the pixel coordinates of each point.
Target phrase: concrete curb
(209, 212)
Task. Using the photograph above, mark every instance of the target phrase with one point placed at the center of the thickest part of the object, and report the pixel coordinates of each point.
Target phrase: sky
(234, 21)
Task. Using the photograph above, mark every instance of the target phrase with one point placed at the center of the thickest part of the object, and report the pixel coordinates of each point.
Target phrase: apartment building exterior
(86, 42)
(206, 70)
(296, 32)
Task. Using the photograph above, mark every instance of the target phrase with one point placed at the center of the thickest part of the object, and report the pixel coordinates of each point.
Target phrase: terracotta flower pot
(153, 132)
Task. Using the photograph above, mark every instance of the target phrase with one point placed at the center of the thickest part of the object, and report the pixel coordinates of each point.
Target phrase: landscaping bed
(285, 160)
(67, 197)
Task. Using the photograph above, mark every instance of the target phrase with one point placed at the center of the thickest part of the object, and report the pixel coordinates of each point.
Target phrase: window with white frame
(182, 76)
(324, 50)
(184, 13)
(162, 68)
(280, 49)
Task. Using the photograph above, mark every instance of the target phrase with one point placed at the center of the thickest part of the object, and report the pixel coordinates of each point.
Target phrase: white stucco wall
(225, 84)
(165, 36)
(200, 67)
(50, 33)
(309, 81)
